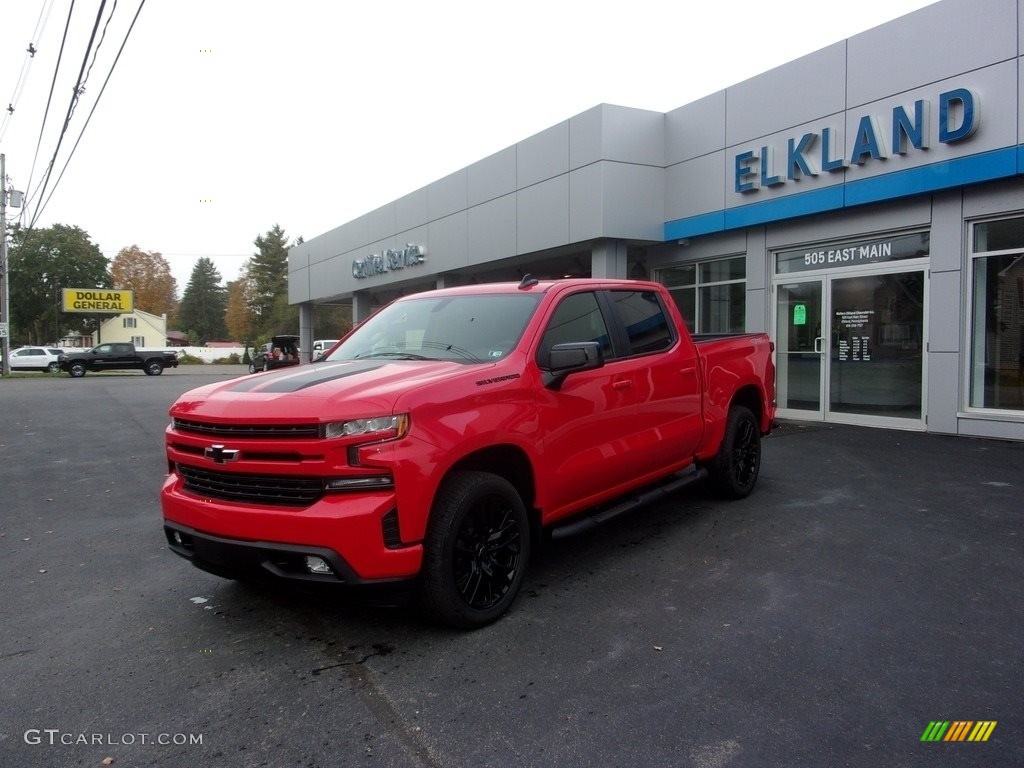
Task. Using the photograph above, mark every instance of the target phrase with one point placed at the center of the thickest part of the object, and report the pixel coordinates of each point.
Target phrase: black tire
(76, 370)
(252, 367)
(153, 368)
(476, 550)
(266, 366)
(733, 472)
(53, 367)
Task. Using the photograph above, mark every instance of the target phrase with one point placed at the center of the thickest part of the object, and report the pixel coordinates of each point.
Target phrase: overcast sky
(224, 117)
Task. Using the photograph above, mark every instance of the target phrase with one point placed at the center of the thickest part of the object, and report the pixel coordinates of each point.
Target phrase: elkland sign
(905, 129)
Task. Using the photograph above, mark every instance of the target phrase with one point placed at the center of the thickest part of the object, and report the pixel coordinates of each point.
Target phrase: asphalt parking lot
(872, 584)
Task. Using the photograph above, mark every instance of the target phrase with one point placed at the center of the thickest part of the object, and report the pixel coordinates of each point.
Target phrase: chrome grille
(271, 431)
(258, 489)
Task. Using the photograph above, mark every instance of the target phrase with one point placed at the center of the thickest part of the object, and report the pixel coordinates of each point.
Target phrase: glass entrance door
(799, 347)
(876, 360)
(850, 347)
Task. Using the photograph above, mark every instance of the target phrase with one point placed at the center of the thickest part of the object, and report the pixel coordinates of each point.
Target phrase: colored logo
(958, 730)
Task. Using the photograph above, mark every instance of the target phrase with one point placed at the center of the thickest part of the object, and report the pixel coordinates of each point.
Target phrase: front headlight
(377, 428)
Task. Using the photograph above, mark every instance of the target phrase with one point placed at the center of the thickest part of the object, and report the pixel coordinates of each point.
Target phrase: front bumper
(231, 558)
(348, 531)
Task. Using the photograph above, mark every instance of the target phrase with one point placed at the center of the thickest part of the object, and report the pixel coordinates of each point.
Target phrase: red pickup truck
(438, 441)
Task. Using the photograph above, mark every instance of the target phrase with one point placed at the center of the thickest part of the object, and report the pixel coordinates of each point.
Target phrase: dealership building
(864, 205)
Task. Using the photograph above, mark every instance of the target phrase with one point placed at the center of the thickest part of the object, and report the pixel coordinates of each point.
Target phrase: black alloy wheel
(477, 550)
(487, 549)
(734, 470)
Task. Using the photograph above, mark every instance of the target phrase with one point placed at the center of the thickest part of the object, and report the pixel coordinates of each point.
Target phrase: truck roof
(540, 286)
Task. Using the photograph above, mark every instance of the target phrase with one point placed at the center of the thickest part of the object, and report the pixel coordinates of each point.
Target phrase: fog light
(316, 564)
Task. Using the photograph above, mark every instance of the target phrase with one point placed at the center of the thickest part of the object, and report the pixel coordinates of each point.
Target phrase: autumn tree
(149, 277)
(42, 262)
(239, 318)
(201, 314)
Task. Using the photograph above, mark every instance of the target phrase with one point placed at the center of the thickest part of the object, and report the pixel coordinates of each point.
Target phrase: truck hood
(319, 391)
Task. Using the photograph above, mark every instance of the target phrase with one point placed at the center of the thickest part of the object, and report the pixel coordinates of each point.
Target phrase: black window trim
(619, 337)
(621, 346)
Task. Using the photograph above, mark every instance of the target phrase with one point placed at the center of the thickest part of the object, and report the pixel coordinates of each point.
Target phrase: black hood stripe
(312, 375)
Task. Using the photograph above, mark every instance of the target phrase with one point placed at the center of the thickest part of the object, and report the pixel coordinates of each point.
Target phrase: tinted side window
(577, 318)
(644, 320)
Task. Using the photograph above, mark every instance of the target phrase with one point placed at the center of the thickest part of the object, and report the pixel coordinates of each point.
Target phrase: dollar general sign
(98, 300)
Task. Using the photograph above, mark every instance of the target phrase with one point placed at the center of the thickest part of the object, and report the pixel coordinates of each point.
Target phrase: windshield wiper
(461, 352)
(395, 355)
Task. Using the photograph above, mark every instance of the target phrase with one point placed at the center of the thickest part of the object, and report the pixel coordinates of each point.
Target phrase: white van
(322, 345)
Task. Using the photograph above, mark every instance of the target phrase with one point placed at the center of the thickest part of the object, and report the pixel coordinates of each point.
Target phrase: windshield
(470, 329)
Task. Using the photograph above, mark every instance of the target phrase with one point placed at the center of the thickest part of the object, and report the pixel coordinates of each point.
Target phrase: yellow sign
(98, 300)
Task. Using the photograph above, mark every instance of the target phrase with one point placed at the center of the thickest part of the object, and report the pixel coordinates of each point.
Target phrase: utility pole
(5, 275)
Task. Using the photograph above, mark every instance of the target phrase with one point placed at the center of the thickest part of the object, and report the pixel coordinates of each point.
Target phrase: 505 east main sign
(815, 152)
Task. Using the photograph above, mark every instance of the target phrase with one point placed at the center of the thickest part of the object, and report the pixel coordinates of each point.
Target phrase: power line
(71, 108)
(99, 45)
(95, 104)
(46, 112)
(44, 15)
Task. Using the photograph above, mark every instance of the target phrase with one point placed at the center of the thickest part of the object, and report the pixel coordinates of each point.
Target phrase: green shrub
(186, 359)
(232, 359)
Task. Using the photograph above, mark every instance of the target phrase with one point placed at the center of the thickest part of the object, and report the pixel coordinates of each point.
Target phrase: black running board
(671, 485)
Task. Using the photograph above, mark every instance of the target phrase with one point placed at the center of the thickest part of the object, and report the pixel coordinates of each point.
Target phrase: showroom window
(997, 315)
(711, 295)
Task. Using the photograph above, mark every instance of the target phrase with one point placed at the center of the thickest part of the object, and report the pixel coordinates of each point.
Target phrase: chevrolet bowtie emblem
(220, 454)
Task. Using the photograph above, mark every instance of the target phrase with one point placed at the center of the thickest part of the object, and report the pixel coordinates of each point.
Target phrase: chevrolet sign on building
(98, 300)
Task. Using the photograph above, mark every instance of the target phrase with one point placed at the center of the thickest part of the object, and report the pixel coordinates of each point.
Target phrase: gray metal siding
(937, 42)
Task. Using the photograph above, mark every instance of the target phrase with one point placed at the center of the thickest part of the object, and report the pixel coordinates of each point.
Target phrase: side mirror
(571, 358)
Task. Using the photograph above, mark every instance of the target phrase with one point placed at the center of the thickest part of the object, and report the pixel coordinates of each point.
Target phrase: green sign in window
(799, 314)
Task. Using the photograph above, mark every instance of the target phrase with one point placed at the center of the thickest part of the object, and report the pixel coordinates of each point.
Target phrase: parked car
(279, 352)
(322, 345)
(36, 359)
(118, 356)
(445, 435)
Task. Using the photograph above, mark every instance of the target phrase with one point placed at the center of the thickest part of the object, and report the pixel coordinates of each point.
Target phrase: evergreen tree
(267, 271)
(204, 303)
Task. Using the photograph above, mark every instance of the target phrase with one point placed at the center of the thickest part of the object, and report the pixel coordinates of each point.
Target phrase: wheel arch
(511, 463)
(749, 396)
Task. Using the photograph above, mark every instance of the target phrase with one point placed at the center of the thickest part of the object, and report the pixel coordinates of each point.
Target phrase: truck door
(662, 360)
(103, 357)
(586, 421)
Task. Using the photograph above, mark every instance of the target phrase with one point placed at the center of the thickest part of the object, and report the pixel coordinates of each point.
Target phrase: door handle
(817, 344)
(622, 384)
